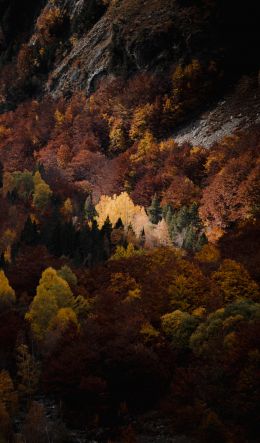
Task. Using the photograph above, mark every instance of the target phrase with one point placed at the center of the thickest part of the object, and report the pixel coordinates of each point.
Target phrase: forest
(129, 263)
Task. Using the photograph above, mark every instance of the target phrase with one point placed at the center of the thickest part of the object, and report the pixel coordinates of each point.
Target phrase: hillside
(129, 221)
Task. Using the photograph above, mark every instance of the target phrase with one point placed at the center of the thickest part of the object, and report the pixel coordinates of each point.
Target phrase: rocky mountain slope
(85, 40)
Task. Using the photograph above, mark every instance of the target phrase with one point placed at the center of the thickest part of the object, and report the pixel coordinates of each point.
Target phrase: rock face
(239, 109)
(125, 36)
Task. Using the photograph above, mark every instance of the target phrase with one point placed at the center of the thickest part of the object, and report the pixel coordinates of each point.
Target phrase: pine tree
(29, 233)
(107, 227)
(190, 239)
(202, 240)
(155, 211)
(142, 238)
(119, 224)
(89, 209)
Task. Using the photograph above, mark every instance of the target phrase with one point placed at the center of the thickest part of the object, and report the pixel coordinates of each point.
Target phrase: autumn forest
(129, 254)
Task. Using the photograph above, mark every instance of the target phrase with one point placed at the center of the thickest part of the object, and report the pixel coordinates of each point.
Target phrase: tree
(28, 372)
(89, 209)
(234, 282)
(53, 293)
(208, 254)
(7, 294)
(42, 192)
(119, 206)
(121, 252)
(8, 395)
(29, 234)
(155, 211)
(66, 273)
(67, 209)
(22, 183)
(64, 319)
(179, 326)
(117, 136)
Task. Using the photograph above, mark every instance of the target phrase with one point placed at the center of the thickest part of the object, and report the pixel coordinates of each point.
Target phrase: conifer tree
(155, 211)
(29, 233)
(89, 209)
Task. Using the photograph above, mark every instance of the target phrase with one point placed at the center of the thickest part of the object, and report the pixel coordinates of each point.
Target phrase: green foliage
(122, 253)
(178, 327)
(42, 193)
(155, 211)
(222, 325)
(185, 228)
(82, 307)
(20, 183)
(89, 209)
(66, 273)
(53, 293)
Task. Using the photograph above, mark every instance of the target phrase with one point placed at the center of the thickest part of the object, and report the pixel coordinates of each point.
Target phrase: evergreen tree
(142, 238)
(201, 241)
(84, 243)
(97, 252)
(29, 233)
(53, 239)
(107, 228)
(89, 209)
(190, 239)
(119, 224)
(183, 218)
(155, 211)
(68, 239)
(168, 214)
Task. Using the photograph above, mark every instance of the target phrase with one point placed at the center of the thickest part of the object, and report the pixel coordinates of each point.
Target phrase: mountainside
(129, 221)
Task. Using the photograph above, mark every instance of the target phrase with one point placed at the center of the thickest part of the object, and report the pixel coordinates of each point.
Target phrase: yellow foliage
(116, 207)
(117, 136)
(145, 146)
(199, 312)
(148, 332)
(53, 293)
(141, 120)
(64, 318)
(7, 294)
(59, 117)
(121, 252)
